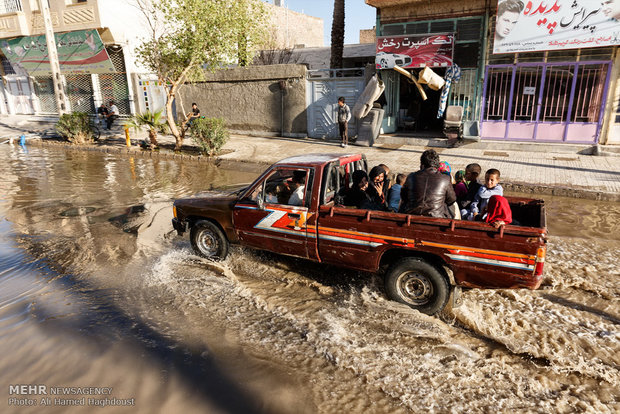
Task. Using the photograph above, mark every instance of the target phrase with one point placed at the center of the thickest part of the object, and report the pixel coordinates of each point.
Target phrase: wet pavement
(548, 169)
(97, 290)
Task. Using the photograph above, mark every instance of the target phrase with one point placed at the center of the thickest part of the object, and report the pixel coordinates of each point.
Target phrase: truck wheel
(208, 240)
(418, 284)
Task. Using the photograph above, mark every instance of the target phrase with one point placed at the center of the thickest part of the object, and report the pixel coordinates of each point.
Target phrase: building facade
(96, 40)
(518, 80)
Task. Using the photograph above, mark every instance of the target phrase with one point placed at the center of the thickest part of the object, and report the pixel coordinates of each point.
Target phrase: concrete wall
(611, 127)
(407, 10)
(250, 99)
(291, 28)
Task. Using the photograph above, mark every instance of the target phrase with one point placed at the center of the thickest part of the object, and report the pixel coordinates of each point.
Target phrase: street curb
(526, 188)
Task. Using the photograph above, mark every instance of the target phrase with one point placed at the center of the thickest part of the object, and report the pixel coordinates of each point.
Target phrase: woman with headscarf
(377, 189)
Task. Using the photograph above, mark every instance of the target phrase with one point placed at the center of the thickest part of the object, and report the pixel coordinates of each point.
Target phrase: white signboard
(535, 25)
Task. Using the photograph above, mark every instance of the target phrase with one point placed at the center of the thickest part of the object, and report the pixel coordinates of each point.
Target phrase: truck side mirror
(261, 203)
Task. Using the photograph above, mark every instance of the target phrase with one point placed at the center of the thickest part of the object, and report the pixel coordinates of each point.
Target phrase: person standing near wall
(344, 115)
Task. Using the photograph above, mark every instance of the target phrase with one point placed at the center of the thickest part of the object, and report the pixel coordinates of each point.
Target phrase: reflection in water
(96, 289)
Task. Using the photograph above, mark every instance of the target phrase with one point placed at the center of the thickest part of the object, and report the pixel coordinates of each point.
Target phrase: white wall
(128, 27)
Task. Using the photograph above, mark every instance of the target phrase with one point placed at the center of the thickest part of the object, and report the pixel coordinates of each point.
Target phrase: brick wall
(425, 10)
(368, 35)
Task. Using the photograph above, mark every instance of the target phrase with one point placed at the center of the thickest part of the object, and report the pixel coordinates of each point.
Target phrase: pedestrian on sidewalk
(344, 115)
(102, 113)
(112, 115)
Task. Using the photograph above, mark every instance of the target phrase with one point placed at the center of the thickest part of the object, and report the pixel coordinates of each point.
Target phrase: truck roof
(314, 160)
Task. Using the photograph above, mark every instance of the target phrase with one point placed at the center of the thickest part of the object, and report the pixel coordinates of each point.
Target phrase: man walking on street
(344, 115)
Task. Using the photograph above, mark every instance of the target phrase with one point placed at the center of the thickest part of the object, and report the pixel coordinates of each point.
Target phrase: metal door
(545, 102)
(324, 87)
(20, 95)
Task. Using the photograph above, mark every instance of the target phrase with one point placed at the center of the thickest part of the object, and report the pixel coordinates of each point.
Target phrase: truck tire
(208, 240)
(416, 283)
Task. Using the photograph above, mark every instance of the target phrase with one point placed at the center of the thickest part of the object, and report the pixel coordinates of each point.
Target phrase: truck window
(286, 186)
(338, 179)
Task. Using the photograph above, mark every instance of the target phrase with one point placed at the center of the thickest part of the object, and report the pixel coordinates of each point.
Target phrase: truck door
(272, 215)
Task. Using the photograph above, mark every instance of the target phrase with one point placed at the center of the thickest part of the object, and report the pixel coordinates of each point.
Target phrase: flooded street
(96, 290)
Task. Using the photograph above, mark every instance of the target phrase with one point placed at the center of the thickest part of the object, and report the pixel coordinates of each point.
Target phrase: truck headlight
(174, 211)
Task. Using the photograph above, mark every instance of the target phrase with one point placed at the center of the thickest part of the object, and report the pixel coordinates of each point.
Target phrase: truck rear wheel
(208, 240)
(416, 283)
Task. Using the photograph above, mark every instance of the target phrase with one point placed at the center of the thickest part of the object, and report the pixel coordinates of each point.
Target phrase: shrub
(75, 127)
(210, 134)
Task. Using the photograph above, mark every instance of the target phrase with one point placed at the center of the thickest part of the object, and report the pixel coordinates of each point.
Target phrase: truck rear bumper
(179, 226)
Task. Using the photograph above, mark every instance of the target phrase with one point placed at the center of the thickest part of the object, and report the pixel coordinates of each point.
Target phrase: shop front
(437, 44)
(548, 75)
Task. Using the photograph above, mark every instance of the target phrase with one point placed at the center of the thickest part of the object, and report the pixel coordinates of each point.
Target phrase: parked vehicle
(424, 259)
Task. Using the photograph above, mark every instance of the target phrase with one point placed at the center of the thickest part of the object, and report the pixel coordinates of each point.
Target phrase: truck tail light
(540, 260)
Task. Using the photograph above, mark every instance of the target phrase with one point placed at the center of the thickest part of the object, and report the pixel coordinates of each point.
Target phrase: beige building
(294, 30)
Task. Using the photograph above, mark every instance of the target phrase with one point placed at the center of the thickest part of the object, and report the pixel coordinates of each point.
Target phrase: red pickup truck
(291, 209)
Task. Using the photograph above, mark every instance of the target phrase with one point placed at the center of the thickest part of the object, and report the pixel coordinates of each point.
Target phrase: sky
(357, 15)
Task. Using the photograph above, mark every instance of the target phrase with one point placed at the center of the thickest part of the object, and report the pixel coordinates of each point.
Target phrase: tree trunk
(169, 101)
(153, 138)
(337, 35)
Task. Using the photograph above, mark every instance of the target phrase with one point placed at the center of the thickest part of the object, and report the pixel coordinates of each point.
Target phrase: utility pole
(52, 53)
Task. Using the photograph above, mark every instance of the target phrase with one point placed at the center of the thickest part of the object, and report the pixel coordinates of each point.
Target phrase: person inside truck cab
(427, 192)
(298, 187)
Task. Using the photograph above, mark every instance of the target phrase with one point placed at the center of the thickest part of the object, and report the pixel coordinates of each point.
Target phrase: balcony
(23, 17)
(13, 21)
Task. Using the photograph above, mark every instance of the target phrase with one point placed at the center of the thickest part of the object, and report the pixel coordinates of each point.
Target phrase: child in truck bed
(490, 188)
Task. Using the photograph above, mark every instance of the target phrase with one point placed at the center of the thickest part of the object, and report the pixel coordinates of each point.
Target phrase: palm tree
(337, 35)
(152, 121)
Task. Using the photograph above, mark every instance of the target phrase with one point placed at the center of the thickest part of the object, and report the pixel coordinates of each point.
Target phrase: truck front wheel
(418, 284)
(208, 240)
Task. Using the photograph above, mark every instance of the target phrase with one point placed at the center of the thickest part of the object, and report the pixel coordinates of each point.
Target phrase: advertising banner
(79, 52)
(415, 51)
(536, 25)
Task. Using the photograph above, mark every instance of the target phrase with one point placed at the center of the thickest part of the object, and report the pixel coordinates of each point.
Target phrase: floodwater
(96, 290)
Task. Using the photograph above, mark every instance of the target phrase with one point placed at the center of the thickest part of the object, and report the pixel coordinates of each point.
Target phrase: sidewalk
(533, 172)
(572, 175)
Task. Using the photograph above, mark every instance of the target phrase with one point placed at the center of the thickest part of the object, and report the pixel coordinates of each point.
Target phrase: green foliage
(152, 121)
(196, 34)
(75, 127)
(210, 134)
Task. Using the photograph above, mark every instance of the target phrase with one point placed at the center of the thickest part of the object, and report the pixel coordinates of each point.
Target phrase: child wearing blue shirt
(394, 197)
(490, 188)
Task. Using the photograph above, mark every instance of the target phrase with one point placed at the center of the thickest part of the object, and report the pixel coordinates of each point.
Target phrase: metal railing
(10, 6)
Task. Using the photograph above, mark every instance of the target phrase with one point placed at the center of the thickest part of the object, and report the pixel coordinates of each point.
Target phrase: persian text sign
(78, 52)
(415, 51)
(535, 25)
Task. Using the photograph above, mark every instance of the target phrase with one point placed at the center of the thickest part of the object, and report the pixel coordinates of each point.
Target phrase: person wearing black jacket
(377, 189)
(427, 192)
(356, 196)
